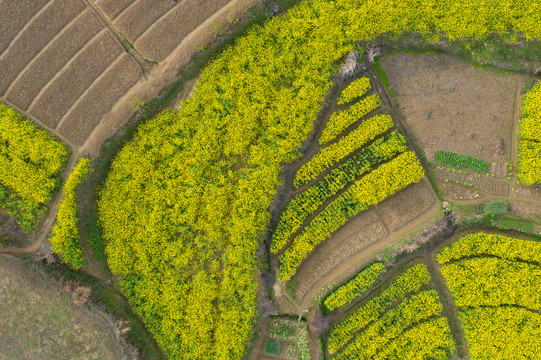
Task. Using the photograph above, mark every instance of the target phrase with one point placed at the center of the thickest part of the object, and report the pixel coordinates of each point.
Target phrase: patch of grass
(272, 347)
(115, 304)
(384, 78)
(515, 224)
(497, 207)
(40, 322)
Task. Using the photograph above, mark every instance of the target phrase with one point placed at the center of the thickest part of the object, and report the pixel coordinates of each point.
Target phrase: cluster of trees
(529, 166)
(186, 200)
(411, 281)
(65, 239)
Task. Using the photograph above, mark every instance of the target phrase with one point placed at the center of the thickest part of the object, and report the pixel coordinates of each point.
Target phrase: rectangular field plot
(446, 108)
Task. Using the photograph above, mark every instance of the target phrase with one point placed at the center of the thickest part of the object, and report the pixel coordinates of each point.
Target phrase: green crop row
(489, 281)
(392, 323)
(65, 239)
(302, 205)
(461, 161)
(529, 166)
(490, 244)
(341, 120)
(30, 158)
(331, 155)
(374, 187)
(409, 282)
(355, 287)
(354, 90)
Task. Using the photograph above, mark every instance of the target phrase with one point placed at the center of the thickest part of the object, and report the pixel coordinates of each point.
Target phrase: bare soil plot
(41, 322)
(112, 8)
(165, 35)
(52, 58)
(449, 105)
(23, 10)
(399, 210)
(37, 33)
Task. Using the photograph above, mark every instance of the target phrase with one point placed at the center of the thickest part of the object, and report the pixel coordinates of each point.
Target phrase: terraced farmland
(68, 63)
(289, 168)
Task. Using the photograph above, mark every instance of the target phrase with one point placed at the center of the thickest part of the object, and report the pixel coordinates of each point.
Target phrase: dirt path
(47, 223)
(450, 310)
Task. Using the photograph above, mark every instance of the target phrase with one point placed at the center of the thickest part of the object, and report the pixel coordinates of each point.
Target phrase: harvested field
(34, 36)
(399, 210)
(95, 58)
(164, 36)
(139, 16)
(52, 58)
(22, 10)
(39, 321)
(449, 105)
(112, 8)
(86, 113)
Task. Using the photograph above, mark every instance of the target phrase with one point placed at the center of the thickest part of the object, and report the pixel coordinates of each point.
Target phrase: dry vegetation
(40, 321)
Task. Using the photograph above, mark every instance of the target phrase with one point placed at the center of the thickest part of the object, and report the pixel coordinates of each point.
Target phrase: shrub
(185, 202)
(332, 154)
(501, 333)
(392, 323)
(492, 245)
(381, 183)
(305, 203)
(409, 282)
(30, 164)
(341, 120)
